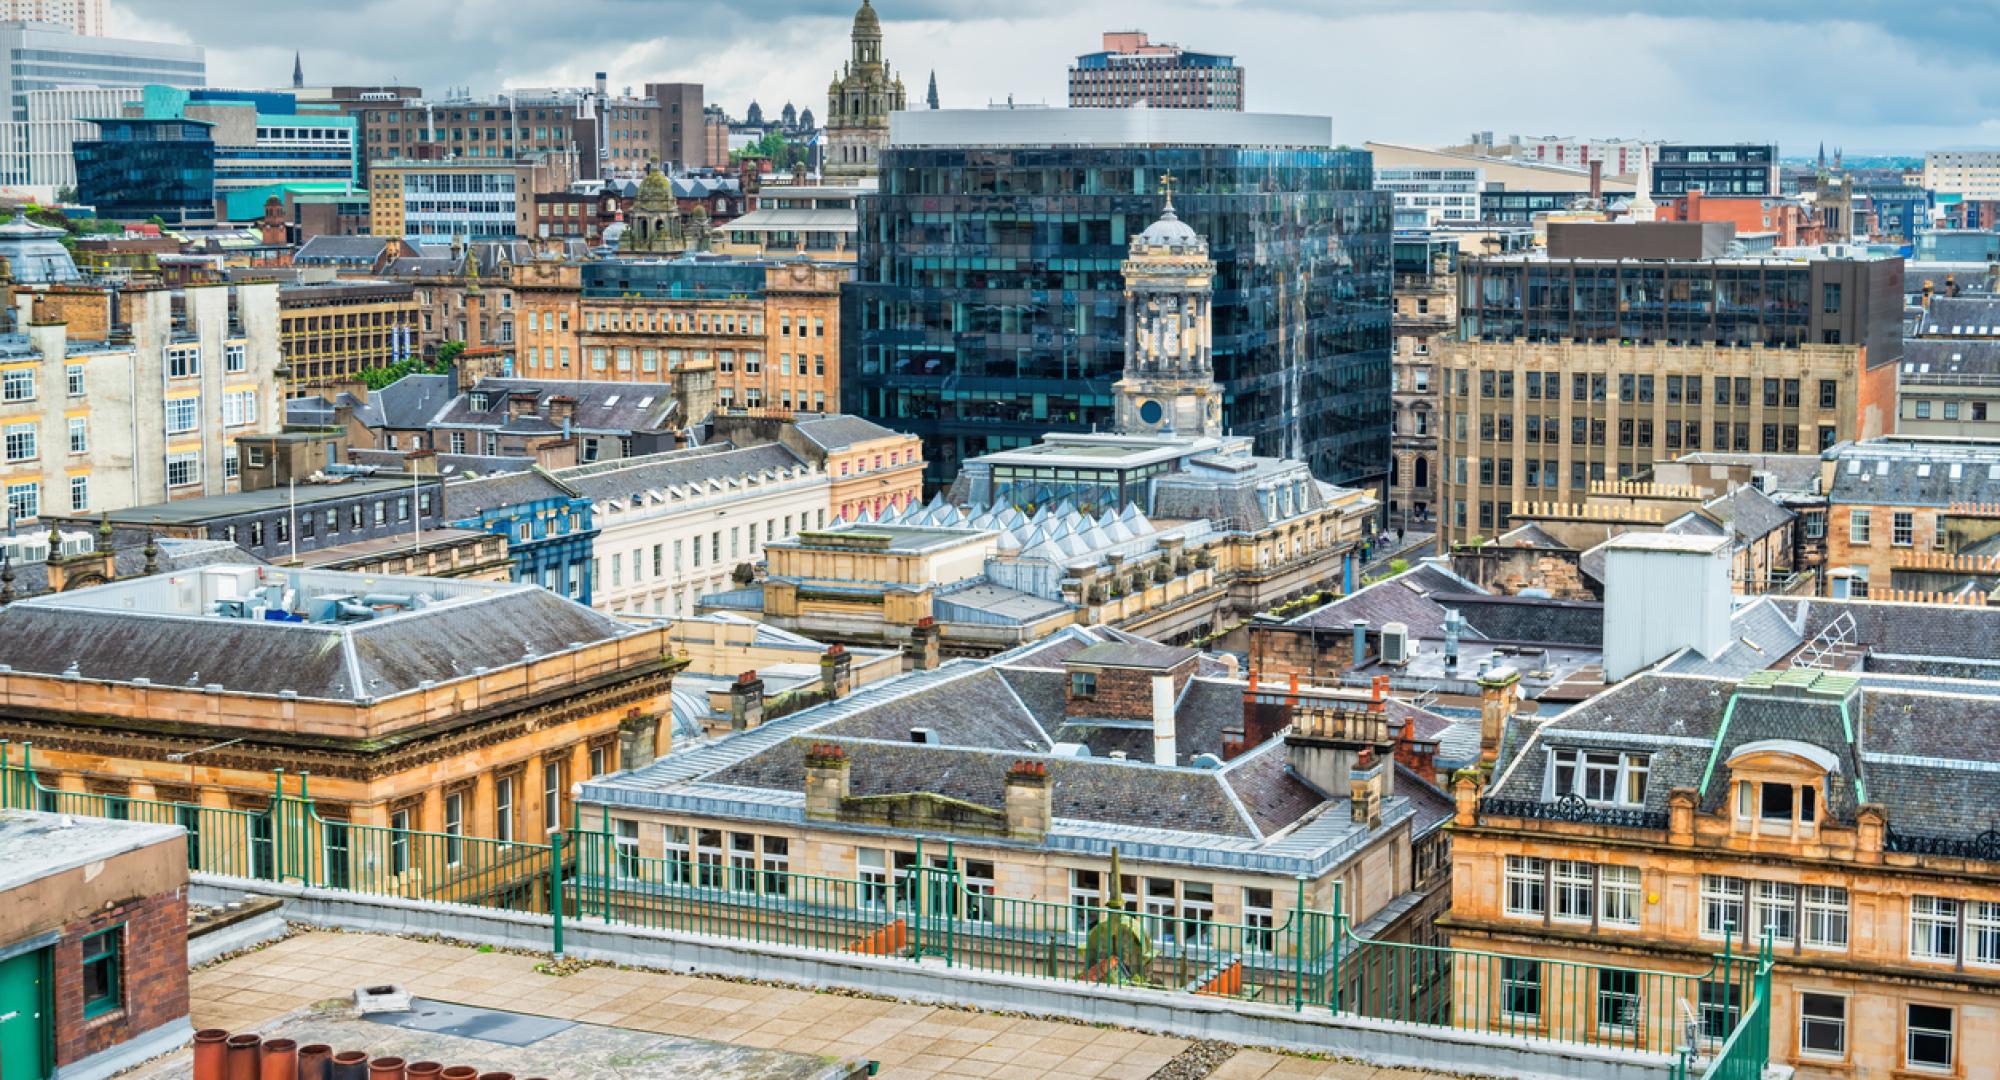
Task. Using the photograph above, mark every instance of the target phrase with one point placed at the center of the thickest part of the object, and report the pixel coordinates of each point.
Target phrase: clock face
(1150, 412)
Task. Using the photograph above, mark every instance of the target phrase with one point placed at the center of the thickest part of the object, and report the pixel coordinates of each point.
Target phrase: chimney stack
(1499, 695)
(1360, 657)
(835, 672)
(1597, 182)
(746, 702)
(826, 780)
(1163, 720)
(1365, 787)
(924, 644)
(1030, 804)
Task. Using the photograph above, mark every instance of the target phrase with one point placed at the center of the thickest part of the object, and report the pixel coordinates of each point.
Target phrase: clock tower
(1168, 386)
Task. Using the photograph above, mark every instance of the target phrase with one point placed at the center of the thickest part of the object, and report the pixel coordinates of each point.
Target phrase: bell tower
(1168, 386)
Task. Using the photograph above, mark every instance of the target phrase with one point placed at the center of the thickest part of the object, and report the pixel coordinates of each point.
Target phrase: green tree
(66, 195)
(450, 351)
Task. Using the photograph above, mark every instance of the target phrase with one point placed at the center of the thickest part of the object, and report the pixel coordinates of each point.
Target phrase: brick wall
(153, 982)
(1317, 655)
(1125, 693)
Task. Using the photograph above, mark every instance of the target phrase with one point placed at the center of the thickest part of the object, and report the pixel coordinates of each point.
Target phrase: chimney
(1663, 594)
(924, 644)
(1365, 787)
(562, 409)
(520, 403)
(835, 672)
(421, 462)
(1597, 182)
(1360, 628)
(639, 740)
(826, 780)
(1454, 624)
(1327, 739)
(1030, 804)
(601, 84)
(1163, 720)
(1840, 583)
(1499, 694)
(746, 702)
(1691, 206)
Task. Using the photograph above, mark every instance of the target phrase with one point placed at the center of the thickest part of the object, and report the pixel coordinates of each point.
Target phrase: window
(183, 414)
(1603, 777)
(79, 435)
(552, 785)
(1982, 925)
(399, 842)
(1933, 928)
(1259, 917)
(454, 829)
(1929, 1040)
(1857, 526)
(1573, 889)
(503, 809)
(1826, 916)
(1521, 989)
(1775, 907)
(1822, 1025)
(23, 501)
(239, 408)
(978, 885)
(1082, 683)
(1526, 885)
(1722, 905)
(626, 848)
(235, 358)
(1618, 895)
(1902, 528)
(1721, 1005)
(17, 385)
(184, 470)
(777, 864)
(103, 972)
(183, 361)
(73, 376)
(1618, 1001)
(333, 851)
(21, 442)
(871, 871)
(79, 493)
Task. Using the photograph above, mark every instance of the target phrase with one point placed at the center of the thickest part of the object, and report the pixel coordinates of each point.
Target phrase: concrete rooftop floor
(912, 1041)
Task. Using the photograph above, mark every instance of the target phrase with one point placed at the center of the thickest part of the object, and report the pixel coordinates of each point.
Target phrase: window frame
(1837, 1024)
(107, 947)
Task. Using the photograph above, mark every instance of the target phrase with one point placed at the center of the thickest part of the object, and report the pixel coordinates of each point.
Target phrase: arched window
(1423, 471)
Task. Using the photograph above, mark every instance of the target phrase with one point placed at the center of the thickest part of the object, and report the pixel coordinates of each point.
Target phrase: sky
(1872, 76)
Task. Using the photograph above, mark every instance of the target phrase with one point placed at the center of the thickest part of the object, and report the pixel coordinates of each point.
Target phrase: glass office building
(988, 308)
(139, 168)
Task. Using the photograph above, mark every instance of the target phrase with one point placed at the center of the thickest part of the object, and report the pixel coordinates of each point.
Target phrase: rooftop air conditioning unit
(26, 549)
(1396, 644)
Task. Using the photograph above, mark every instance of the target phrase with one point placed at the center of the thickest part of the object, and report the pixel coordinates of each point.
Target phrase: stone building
(767, 334)
(1627, 343)
(462, 708)
(1425, 313)
(1088, 768)
(858, 104)
(331, 331)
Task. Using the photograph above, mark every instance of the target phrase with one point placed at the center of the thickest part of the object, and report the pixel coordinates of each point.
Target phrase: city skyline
(1692, 68)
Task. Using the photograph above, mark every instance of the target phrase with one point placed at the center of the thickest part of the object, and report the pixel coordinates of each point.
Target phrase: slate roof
(470, 498)
(1433, 805)
(601, 407)
(628, 477)
(1749, 514)
(839, 431)
(978, 710)
(1535, 620)
(1891, 473)
(128, 560)
(345, 662)
(345, 250)
(1961, 316)
(1790, 473)
(1762, 634)
(1405, 598)
(1275, 798)
(1115, 793)
(1530, 535)
(1927, 360)
(1135, 654)
(409, 403)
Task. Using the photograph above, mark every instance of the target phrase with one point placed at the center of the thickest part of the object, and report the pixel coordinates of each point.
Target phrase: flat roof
(1041, 128)
(1679, 543)
(207, 507)
(35, 845)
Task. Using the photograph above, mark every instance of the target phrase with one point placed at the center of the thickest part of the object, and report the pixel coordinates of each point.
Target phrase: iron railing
(926, 908)
(1985, 846)
(1573, 807)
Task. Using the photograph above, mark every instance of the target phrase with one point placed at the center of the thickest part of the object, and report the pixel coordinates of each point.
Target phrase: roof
(411, 401)
(1932, 360)
(1960, 316)
(1134, 654)
(838, 431)
(1749, 514)
(128, 560)
(1914, 472)
(34, 846)
(207, 508)
(470, 498)
(327, 248)
(696, 468)
(605, 407)
(466, 626)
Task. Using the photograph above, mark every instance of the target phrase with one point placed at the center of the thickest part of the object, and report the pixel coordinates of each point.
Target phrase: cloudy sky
(1870, 75)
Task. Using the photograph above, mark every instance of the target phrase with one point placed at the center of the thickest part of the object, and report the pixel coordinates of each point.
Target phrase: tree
(66, 195)
(449, 351)
(743, 575)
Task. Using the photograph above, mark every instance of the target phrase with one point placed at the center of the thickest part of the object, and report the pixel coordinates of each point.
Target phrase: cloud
(1858, 73)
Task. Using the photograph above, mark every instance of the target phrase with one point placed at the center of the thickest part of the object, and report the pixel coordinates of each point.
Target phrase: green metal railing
(925, 908)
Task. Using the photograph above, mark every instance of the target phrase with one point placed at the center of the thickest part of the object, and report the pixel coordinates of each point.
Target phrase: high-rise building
(479, 198)
(1622, 344)
(1968, 174)
(36, 56)
(58, 118)
(858, 104)
(1131, 70)
(987, 308)
(82, 17)
(611, 135)
(683, 138)
(1621, 157)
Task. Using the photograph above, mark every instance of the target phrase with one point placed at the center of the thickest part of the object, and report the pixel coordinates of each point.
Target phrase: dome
(1169, 231)
(866, 21)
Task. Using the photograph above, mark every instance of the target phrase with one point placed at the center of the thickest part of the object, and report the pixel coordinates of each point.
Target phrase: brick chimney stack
(826, 780)
(746, 702)
(1030, 802)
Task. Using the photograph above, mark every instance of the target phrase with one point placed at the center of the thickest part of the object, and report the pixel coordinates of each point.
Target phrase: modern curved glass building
(987, 307)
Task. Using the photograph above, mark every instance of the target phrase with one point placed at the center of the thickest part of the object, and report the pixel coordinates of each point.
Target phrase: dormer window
(1083, 684)
(1780, 786)
(1600, 777)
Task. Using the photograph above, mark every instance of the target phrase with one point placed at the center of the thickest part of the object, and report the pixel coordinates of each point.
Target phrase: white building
(1430, 196)
(1972, 174)
(672, 527)
(39, 56)
(1621, 157)
(85, 17)
(56, 120)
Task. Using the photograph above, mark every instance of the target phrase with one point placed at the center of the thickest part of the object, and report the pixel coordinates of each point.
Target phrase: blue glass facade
(550, 540)
(988, 307)
(138, 169)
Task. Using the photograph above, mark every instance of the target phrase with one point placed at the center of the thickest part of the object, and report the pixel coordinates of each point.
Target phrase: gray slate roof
(1935, 360)
(601, 407)
(657, 472)
(470, 498)
(344, 250)
(1961, 316)
(409, 403)
(839, 431)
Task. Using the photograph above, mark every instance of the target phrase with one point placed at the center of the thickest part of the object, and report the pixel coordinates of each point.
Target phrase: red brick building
(93, 943)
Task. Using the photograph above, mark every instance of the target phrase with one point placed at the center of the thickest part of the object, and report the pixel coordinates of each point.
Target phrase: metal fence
(927, 909)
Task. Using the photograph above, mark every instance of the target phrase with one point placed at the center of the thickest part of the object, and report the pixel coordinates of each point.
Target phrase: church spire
(298, 71)
(931, 98)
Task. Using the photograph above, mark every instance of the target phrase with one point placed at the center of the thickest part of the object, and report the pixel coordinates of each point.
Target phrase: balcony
(1573, 808)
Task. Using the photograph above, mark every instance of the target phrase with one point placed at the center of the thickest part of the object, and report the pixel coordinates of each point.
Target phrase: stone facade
(858, 104)
(1424, 314)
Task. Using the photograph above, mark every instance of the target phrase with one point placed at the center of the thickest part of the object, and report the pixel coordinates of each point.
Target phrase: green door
(21, 1010)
